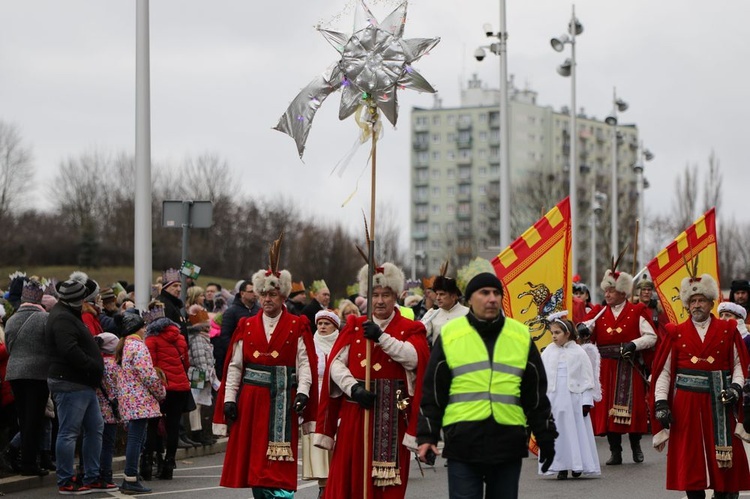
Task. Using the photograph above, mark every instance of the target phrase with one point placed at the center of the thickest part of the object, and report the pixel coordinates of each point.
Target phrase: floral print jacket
(140, 389)
(109, 383)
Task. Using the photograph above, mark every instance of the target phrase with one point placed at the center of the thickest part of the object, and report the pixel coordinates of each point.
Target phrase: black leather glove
(627, 350)
(363, 397)
(663, 414)
(546, 453)
(746, 421)
(300, 402)
(731, 395)
(583, 331)
(586, 410)
(230, 411)
(372, 331)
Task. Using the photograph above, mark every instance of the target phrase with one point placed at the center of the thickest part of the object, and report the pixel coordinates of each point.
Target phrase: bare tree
(16, 168)
(686, 197)
(712, 186)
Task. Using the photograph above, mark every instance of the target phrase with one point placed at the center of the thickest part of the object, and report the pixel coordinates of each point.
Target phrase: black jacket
(485, 442)
(74, 355)
(173, 308)
(229, 320)
(310, 310)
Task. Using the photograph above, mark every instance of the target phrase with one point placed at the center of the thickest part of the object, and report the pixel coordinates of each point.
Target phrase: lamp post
(617, 105)
(643, 156)
(568, 68)
(598, 199)
(500, 48)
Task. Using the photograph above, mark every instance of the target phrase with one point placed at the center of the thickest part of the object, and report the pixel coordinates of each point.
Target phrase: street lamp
(617, 105)
(641, 184)
(500, 48)
(598, 200)
(568, 68)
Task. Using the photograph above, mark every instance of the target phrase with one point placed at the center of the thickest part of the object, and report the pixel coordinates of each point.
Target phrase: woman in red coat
(169, 353)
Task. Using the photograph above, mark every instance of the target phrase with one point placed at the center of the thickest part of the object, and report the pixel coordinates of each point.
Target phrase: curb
(18, 483)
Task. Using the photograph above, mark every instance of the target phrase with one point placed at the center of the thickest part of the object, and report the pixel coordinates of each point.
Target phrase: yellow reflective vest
(406, 312)
(480, 388)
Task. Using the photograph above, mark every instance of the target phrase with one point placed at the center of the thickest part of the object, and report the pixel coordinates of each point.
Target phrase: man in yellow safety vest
(485, 384)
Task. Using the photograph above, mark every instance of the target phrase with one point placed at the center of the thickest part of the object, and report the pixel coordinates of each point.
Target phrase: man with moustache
(698, 375)
(399, 354)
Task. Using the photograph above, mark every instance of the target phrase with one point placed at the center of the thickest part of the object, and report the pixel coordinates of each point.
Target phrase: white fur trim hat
(387, 276)
(621, 281)
(266, 280)
(328, 315)
(704, 285)
(733, 308)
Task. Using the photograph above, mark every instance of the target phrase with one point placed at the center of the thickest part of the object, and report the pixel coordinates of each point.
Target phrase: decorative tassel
(724, 457)
(385, 474)
(279, 451)
(621, 414)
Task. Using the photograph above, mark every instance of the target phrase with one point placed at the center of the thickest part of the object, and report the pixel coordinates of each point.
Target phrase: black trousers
(172, 408)
(31, 399)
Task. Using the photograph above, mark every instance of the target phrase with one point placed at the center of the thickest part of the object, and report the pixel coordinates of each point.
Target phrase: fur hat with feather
(613, 278)
(273, 278)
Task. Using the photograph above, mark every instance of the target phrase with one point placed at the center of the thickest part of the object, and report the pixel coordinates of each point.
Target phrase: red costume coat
(691, 458)
(609, 331)
(346, 474)
(246, 463)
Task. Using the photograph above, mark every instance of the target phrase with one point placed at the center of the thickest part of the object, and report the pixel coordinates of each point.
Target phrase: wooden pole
(373, 119)
(635, 248)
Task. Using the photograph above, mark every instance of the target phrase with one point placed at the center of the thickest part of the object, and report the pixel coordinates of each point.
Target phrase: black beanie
(483, 280)
(131, 323)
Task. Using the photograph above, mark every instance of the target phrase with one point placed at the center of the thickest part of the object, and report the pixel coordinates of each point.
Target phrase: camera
(479, 54)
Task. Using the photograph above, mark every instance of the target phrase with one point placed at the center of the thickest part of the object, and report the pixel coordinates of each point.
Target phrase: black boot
(635, 446)
(695, 494)
(615, 447)
(147, 466)
(13, 456)
(159, 464)
(168, 469)
(46, 462)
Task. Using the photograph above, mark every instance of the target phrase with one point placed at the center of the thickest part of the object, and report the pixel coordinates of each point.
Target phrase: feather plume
(364, 253)
(444, 268)
(274, 253)
(615, 263)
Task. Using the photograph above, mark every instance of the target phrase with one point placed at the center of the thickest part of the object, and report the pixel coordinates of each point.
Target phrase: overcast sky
(223, 72)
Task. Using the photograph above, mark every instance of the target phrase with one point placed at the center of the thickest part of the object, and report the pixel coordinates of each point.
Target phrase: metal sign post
(185, 215)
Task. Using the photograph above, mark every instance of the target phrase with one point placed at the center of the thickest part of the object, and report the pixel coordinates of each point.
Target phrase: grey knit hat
(71, 293)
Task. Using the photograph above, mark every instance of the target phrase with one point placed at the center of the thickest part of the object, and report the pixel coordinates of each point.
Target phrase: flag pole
(635, 247)
(372, 119)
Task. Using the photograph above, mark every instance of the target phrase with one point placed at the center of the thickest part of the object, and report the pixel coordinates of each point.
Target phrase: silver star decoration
(375, 61)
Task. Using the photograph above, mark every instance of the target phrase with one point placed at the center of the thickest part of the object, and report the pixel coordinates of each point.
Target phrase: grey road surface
(198, 478)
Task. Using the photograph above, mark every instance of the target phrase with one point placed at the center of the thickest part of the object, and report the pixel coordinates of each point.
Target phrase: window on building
(450, 136)
(450, 227)
(451, 191)
(482, 190)
(482, 207)
(451, 119)
(451, 173)
(464, 189)
(464, 172)
(435, 155)
(422, 174)
(423, 157)
(494, 170)
(435, 174)
(436, 209)
(482, 153)
(421, 121)
(482, 136)
(483, 224)
(435, 228)
(435, 138)
(450, 209)
(420, 193)
(464, 208)
(482, 117)
(436, 191)
(495, 153)
(435, 244)
(464, 119)
(421, 210)
(420, 227)
(436, 120)
(495, 135)
(464, 226)
(420, 245)
(450, 155)
(464, 154)
(482, 171)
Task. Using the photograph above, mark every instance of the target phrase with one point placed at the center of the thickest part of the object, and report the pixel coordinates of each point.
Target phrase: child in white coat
(571, 388)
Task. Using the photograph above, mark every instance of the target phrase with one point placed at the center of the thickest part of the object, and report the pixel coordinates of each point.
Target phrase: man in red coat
(399, 357)
(620, 329)
(268, 383)
(698, 374)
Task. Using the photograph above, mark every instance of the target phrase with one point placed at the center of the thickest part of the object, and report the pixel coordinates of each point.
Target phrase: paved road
(198, 478)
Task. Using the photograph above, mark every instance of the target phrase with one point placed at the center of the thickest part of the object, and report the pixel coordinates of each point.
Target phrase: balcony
(464, 232)
(421, 181)
(493, 194)
(464, 125)
(464, 142)
(464, 251)
(464, 215)
(493, 230)
(421, 217)
(493, 215)
(464, 179)
(421, 145)
(419, 236)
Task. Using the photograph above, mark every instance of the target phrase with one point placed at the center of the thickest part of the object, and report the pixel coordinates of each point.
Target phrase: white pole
(573, 147)
(640, 164)
(142, 248)
(504, 134)
(592, 278)
(614, 228)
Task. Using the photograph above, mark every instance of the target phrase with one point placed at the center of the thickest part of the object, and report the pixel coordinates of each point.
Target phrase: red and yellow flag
(668, 268)
(536, 272)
